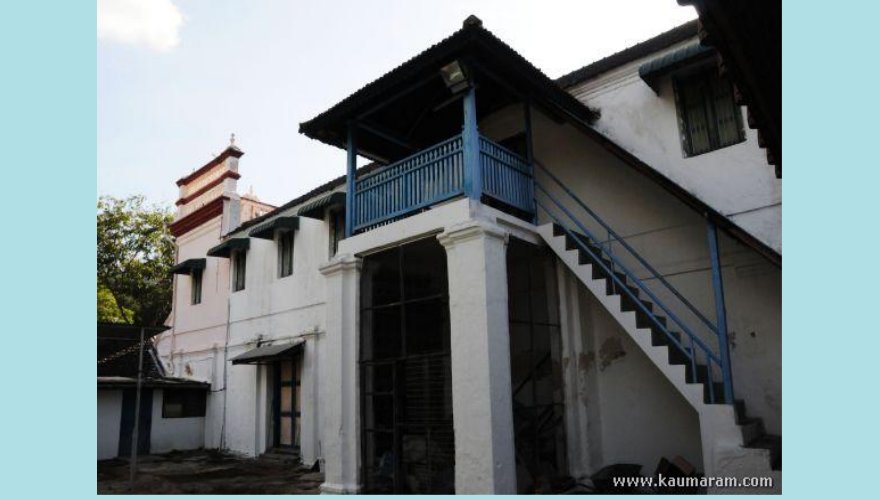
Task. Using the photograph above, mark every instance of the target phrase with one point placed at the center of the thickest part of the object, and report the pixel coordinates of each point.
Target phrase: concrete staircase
(734, 444)
(283, 455)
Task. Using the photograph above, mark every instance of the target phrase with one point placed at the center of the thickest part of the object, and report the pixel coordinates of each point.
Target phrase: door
(287, 402)
(126, 425)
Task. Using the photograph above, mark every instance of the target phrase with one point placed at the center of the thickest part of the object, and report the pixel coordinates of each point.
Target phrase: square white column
(480, 357)
(338, 377)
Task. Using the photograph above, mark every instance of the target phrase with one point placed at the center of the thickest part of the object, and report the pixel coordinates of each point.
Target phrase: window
(337, 230)
(285, 254)
(183, 403)
(196, 291)
(239, 261)
(708, 117)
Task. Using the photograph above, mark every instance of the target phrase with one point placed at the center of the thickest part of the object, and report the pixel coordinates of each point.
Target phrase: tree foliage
(135, 256)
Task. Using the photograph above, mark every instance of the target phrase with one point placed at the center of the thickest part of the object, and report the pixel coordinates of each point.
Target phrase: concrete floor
(207, 472)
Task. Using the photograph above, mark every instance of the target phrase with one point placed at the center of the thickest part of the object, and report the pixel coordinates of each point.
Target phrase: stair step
(770, 442)
(701, 376)
(752, 429)
(658, 337)
(718, 393)
(281, 455)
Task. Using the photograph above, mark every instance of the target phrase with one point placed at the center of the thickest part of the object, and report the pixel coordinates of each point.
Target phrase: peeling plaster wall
(642, 417)
(619, 407)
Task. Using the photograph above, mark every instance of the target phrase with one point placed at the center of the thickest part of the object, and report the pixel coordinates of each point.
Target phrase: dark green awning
(267, 229)
(225, 248)
(653, 70)
(315, 209)
(268, 353)
(188, 266)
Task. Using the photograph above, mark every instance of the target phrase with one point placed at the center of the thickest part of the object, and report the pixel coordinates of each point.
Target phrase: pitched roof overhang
(413, 104)
(188, 266)
(315, 209)
(266, 230)
(652, 71)
(117, 382)
(269, 353)
(225, 248)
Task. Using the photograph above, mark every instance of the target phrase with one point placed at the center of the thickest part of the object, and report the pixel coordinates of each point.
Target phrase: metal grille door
(406, 391)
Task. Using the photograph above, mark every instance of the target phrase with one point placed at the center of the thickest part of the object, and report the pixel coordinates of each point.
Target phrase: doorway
(287, 414)
(406, 381)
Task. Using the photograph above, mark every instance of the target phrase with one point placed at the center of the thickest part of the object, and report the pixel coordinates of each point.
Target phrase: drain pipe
(225, 373)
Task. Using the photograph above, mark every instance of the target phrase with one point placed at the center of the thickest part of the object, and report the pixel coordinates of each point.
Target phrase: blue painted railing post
(473, 178)
(351, 147)
(720, 312)
(530, 156)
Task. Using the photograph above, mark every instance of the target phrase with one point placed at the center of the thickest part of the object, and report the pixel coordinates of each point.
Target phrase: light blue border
(830, 275)
(47, 247)
(831, 217)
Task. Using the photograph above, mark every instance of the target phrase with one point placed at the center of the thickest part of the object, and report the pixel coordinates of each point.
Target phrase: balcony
(439, 173)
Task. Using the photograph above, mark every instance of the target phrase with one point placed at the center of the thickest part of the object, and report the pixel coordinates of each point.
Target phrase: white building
(455, 317)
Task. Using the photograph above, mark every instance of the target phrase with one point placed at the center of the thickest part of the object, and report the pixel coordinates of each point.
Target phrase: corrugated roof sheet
(227, 246)
(652, 70)
(188, 266)
(267, 229)
(268, 353)
(315, 209)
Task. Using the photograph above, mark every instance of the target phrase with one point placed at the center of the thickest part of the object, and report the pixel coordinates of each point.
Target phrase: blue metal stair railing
(620, 286)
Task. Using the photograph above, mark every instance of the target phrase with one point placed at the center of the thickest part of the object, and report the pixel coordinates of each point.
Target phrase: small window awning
(315, 209)
(653, 70)
(267, 229)
(269, 353)
(188, 266)
(224, 249)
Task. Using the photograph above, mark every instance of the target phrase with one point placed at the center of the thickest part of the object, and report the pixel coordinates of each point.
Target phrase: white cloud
(153, 23)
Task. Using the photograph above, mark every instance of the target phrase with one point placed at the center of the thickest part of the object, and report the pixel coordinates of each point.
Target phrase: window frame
(239, 270)
(188, 409)
(337, 229)
(195, 293)
(285, 253)
(703, 76)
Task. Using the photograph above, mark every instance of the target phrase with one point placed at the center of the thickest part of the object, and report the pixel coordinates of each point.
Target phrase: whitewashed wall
(109, 418)
(167, 434)
(277, 310)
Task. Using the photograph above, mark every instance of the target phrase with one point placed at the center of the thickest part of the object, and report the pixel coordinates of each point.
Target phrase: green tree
(135, 256)
(109, 310)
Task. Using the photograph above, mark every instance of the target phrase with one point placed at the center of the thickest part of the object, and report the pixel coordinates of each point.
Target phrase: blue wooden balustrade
(436, 174)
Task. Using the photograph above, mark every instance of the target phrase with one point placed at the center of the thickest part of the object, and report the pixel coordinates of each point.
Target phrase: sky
(177, 77)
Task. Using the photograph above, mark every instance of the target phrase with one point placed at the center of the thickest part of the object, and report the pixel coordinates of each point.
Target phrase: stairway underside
(733, 442)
